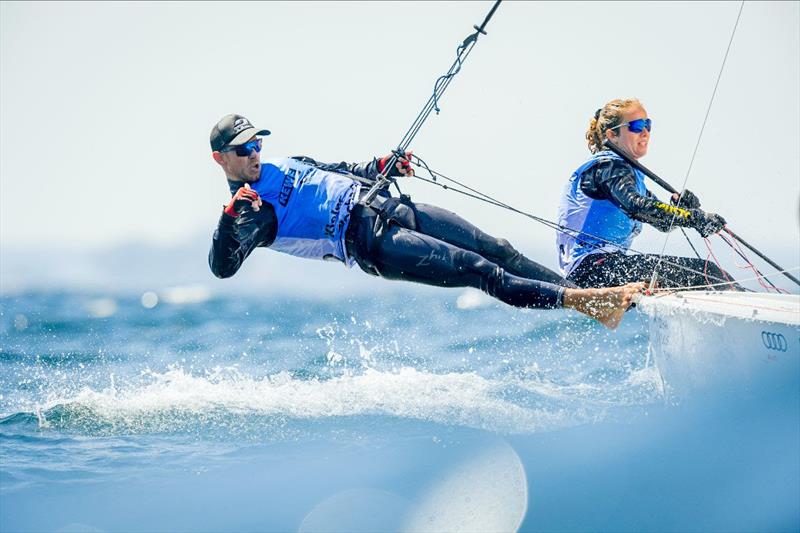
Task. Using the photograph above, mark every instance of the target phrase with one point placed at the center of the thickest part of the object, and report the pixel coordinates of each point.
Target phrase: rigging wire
(697, 144)
(691, 244)
(464, 49)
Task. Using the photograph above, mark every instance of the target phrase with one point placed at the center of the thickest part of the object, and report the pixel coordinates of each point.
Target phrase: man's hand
(402, 166)
(244, 196)
(688, 200)
(706, 223)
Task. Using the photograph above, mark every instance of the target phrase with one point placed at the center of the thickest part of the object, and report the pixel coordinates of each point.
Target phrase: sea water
(420, 410)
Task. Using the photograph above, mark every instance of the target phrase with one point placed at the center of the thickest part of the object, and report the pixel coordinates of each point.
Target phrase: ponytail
(605, 118)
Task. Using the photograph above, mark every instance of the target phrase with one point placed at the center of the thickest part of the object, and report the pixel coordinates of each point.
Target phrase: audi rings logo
(774, 341)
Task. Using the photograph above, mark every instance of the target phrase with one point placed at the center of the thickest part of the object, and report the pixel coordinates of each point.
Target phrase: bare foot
(604, 305)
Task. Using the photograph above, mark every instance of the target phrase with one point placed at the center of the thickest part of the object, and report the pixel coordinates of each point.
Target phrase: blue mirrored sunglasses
(244, 150)
(637, 126)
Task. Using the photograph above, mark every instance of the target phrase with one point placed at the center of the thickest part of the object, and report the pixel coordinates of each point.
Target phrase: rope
(749, 264)
(711, 254)
(699, 137)
(439, 87)
(691, 287)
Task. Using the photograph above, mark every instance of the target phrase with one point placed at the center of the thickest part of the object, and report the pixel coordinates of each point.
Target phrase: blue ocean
(414, 410)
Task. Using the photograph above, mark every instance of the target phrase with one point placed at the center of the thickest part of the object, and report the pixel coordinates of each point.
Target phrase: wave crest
(177, 401)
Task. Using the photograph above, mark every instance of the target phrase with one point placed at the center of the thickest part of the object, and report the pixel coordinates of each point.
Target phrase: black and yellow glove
(688, 200)
(706, 223)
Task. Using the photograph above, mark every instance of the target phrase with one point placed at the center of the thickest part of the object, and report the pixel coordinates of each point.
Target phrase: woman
(607, 202)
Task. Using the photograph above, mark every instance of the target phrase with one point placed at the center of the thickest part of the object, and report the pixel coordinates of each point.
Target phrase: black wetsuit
(613, 180)
(396, 238)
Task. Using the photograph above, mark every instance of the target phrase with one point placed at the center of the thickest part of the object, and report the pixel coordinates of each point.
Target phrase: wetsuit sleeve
(236, 237)
(614, 180)
(365, 169)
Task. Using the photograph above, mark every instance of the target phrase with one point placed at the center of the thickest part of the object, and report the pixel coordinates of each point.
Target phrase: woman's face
(633, 143)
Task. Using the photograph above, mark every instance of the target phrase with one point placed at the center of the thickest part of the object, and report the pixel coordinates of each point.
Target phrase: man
(310, 209)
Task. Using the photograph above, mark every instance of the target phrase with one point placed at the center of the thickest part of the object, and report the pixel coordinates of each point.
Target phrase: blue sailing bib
(312, 207)
(604, 227)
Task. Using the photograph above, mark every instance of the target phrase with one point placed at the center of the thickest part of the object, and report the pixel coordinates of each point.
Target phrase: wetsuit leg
(404, 254)
(608, 270)
(451, 228)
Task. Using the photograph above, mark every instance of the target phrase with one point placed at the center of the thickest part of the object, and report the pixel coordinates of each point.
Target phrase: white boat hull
(747, 341)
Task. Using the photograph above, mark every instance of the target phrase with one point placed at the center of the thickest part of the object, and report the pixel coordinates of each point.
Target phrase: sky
(106, 108)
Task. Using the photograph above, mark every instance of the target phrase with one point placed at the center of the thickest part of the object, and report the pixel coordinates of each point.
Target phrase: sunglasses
(244, 150)
(637, 126)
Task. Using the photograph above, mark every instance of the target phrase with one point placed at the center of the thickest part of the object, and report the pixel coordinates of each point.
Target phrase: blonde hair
(605, 118)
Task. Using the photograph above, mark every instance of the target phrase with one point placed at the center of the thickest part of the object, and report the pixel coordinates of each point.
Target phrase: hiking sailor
(311, 209)
(606, 202)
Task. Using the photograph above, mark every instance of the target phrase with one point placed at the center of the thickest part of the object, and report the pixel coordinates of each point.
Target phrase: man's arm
(236, 237)
(368, 170)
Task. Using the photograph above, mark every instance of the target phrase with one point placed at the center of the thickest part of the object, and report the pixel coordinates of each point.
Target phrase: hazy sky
(106, 107)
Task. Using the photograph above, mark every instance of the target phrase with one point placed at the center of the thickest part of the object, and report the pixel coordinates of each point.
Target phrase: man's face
(243, 168)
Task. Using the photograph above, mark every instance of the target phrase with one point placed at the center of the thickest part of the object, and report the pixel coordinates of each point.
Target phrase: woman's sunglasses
(637, 126)
(244, 150)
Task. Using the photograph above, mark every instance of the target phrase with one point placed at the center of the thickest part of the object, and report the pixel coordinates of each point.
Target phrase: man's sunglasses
(637, 126)
(244, 150)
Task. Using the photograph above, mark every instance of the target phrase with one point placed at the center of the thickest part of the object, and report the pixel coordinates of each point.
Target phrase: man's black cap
(232, 130)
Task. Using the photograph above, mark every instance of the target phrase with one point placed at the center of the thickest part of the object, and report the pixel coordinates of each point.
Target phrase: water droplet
(20, 322)
(149, 300)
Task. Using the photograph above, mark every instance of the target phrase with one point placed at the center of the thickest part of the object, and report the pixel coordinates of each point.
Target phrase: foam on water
(166, 401)
(245, 366)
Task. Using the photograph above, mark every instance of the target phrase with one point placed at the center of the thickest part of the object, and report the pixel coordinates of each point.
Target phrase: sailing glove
(688, 200)
(244, 197)
(706, 223)
(402, 166)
